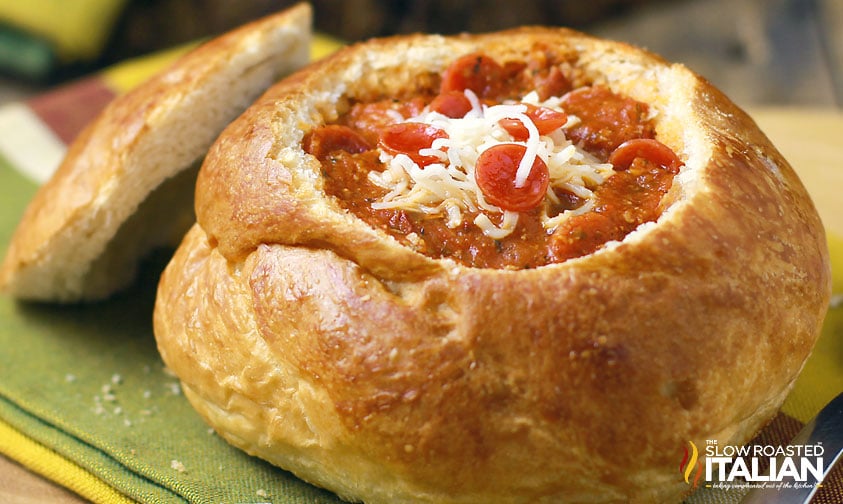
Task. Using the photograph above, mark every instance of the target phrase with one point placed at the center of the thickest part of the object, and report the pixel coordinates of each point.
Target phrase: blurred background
(760, 52)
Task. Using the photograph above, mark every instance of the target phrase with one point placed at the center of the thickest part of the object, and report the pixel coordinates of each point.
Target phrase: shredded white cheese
(448, 188)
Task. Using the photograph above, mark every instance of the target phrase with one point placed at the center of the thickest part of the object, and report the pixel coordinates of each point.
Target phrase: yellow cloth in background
(822, 377)
(124, 76)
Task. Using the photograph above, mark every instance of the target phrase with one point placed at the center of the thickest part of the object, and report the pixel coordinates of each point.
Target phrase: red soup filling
(502, 166)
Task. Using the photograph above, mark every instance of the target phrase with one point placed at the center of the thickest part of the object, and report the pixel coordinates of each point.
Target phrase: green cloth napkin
(87, 382)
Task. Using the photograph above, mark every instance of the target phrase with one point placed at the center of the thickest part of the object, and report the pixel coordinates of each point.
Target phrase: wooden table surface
(19, 486)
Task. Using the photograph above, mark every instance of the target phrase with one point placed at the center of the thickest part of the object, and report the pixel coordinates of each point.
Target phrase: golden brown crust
(65, 248)
(389, 376)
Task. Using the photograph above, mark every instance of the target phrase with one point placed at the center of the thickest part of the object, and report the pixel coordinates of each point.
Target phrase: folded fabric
(86, 401)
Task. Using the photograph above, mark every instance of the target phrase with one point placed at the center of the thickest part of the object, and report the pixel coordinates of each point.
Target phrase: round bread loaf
(329, 347)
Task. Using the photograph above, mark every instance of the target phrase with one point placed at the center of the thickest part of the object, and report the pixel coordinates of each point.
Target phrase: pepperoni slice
(553, 84)
(370, 118)
(334, 137)
(495, 175)
(409, 138)
(476, 72)
(546, 121)
(647, 148)
(607, 119)
(453, 104)
(516, 128)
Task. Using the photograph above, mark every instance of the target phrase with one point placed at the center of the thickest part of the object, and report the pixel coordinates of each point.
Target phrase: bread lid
(125, 185)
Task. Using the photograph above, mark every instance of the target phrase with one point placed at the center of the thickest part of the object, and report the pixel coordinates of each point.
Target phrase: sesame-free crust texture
(316, 342)
(126, 183)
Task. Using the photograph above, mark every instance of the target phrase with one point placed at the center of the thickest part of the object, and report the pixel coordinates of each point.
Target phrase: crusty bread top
(69, 244)
(262, 189)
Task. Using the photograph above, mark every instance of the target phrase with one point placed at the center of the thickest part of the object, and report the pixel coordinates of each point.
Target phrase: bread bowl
(364, 363)
(125, 184)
